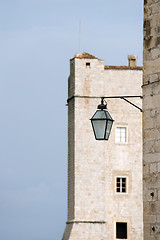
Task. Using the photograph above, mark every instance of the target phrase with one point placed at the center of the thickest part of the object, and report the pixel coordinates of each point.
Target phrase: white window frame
(126, 134)
(121, 193)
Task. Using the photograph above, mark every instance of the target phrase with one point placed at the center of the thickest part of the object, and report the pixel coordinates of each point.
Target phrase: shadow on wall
(67, 231)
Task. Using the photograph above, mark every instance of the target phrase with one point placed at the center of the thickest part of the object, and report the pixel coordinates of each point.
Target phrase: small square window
(121, 134)
(121, 184)
(88, 64)
(121, 230)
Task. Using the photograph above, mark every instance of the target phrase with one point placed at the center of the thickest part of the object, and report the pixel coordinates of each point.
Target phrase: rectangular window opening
(121, 134)
(121, 184)
(88, 64)
(121, 230)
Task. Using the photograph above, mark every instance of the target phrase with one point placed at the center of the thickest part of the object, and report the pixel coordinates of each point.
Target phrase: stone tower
(151, 119)
(104, 177)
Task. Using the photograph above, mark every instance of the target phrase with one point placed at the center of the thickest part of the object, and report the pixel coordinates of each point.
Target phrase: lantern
(102, 122)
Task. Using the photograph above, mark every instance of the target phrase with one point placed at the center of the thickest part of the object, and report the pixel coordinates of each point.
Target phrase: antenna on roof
(79, 45)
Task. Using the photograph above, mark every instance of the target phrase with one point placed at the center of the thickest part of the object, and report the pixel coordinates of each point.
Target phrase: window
(121, 184)
(121, 230)
(121, 134)
(88, 64)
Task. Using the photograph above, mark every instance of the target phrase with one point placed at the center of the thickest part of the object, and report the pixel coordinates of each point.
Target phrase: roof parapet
(85, 55)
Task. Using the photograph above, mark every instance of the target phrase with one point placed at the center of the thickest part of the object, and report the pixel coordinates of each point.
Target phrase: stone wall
(151, 119)
(94, 207)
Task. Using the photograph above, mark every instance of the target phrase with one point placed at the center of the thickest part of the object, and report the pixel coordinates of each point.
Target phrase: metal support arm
(124, 98)
(121, 97)
(132, 104)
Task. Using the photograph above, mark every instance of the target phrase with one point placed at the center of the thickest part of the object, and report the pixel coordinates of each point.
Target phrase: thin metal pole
(79, 46)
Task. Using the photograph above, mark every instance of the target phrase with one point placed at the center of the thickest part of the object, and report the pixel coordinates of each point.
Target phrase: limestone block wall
(151, 119)
(124, 159)
(94, 207)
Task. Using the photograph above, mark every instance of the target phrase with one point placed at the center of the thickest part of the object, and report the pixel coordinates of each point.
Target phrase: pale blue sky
(37, 39)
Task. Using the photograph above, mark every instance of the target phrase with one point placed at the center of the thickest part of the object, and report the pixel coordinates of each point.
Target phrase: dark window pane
(118, 179)
(118, 184)
(121, 230)
(123, 189)
(118, 189)
(87, 64)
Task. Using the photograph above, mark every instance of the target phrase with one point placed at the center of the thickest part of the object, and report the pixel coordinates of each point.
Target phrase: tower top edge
(85, 55)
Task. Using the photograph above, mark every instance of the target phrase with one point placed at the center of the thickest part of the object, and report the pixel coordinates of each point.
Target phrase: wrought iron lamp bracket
(125, 99)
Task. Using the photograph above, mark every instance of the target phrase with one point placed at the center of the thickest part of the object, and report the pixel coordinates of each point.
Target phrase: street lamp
(102, 122)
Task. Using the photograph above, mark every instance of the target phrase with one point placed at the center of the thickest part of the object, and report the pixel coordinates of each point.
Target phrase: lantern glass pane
(99, 114)
(99, 128)
(108, 116)
(108, 130)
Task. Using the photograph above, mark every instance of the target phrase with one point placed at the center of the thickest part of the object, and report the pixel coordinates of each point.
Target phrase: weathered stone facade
(94, 206)
(151, 119)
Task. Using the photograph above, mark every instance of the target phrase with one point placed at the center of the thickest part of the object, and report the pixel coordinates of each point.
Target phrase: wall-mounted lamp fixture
(102, 121)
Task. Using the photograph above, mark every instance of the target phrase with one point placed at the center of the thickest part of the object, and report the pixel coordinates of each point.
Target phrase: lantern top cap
(102, 105)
